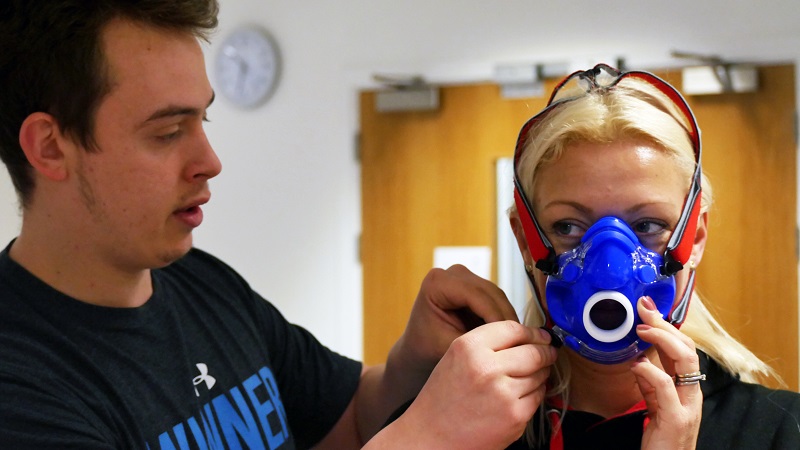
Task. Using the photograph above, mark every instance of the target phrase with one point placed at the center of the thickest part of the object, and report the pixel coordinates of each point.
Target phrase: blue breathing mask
(592, 297)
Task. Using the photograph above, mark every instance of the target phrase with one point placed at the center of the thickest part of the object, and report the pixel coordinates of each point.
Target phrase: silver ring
(689, 378)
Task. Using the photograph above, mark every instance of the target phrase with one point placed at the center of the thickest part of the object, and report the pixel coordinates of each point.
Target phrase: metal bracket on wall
(405, 94)
(526, 80)
(716, 76)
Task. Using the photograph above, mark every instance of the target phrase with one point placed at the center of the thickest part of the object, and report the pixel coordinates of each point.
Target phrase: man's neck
(75, 269)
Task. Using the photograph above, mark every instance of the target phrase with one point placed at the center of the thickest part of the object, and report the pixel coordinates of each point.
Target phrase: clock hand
(241, 74)
(240, 81)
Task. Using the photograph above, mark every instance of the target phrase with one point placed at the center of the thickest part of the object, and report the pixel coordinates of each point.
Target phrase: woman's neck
(605, 390)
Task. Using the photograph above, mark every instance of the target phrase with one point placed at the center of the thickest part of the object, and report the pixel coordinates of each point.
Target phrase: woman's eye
(567, 229)
(648, 227)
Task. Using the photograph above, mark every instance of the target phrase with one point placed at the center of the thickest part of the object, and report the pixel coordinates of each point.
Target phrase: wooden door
(428, 180)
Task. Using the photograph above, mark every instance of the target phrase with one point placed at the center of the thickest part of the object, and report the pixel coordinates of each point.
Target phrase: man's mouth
(191, 216)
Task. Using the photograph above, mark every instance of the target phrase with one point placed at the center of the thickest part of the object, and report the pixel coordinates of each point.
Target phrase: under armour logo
(204, 376)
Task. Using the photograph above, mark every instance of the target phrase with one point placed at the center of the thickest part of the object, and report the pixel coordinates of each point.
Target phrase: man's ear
(43, 144)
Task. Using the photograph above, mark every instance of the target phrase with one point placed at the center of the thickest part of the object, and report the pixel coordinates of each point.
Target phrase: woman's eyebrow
(573, 204)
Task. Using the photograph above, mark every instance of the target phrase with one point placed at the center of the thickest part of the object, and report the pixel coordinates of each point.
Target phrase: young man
(116, 333)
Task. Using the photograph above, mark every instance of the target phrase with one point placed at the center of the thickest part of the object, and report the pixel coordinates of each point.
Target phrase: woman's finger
(656, 387)
(677, 351)
(681, 358)
(650, 315)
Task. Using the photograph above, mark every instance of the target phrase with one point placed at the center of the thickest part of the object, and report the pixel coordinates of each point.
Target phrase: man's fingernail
(555, 341)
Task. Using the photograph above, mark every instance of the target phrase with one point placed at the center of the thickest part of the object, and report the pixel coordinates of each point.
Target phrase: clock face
(246, 67)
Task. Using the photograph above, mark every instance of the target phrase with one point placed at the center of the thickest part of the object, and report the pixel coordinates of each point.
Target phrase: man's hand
(483, 391)
(450, 303)
(484, 374)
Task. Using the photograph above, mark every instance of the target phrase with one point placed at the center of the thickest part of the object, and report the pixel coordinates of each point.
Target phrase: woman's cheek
(681, 279)
(541, 282)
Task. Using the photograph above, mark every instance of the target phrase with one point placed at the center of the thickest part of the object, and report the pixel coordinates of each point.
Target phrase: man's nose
(205, 163)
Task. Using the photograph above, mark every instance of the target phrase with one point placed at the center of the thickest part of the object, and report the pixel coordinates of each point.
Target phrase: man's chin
(169, 256)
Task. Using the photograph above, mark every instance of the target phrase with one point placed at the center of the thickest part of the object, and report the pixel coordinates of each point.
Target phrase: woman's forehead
(628, 169)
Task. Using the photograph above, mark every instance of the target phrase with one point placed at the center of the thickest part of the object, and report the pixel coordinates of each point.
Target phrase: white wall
(285, 211)
(9, 210)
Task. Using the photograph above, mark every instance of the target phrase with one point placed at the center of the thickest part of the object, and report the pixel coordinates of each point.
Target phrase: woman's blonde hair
(632, 109)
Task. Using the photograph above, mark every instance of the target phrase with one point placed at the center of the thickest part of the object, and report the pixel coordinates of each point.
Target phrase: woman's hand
(674, 410)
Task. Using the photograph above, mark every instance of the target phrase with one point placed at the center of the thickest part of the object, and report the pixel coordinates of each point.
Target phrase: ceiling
(439, 38)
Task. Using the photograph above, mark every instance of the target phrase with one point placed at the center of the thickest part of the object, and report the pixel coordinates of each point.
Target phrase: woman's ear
(700, 236)
(522, 242)
(41, 141)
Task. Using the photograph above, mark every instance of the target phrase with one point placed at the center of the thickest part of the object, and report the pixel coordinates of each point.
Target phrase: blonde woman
(610, 215)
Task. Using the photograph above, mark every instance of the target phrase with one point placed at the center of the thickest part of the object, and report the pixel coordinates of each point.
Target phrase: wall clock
(247, 67)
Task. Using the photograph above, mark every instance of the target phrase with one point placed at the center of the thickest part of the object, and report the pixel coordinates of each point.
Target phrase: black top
(736, 415)
(205, 363)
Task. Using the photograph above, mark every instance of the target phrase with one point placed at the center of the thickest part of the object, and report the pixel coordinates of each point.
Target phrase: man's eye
(169, 137)
(169, 134)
